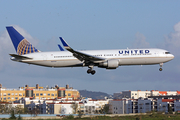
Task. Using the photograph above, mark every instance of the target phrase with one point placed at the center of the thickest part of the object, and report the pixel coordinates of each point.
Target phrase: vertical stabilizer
(21, 45)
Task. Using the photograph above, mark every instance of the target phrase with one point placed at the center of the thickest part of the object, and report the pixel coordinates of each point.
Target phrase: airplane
(109, 59)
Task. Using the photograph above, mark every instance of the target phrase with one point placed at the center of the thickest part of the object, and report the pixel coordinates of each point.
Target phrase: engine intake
(109, 64)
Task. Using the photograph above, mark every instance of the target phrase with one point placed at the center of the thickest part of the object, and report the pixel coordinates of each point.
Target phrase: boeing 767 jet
(109, 59)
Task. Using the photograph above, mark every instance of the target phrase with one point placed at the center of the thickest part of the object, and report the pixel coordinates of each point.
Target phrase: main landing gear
(90, 70)
(161, 64)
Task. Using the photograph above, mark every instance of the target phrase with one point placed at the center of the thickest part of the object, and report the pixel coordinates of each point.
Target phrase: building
(117, 106)
(132, 94)
(6, 107)
(38, 93)
(146, 94)
(127, 106)
(65, 106)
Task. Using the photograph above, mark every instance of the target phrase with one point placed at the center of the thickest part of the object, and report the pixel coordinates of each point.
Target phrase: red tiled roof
(168, 100)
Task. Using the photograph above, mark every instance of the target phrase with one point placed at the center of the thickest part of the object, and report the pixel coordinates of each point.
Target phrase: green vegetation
(153, 116)
(136, 117)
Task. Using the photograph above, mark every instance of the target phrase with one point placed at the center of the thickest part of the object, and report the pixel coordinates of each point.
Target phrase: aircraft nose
(172, 56)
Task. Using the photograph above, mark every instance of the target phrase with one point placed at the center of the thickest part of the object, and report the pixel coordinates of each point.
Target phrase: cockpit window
(167, 52)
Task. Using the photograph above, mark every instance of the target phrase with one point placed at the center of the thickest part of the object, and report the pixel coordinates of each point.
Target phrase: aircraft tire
(160, 69)
(93, 72)
(89, 71)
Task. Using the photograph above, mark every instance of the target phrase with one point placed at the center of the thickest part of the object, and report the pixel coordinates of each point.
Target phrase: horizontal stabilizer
(19, 57)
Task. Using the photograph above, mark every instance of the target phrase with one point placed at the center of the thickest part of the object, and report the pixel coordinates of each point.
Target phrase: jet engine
(109, 64)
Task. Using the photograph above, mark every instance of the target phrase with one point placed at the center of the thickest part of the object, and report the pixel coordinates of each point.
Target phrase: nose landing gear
(161, 64)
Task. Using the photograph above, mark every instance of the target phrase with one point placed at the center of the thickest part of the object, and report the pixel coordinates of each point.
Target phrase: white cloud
(140, 41)
(26, 35)
(172, 41)
(5, 48)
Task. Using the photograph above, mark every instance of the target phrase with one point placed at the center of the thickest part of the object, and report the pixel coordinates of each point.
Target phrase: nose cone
(171, 56)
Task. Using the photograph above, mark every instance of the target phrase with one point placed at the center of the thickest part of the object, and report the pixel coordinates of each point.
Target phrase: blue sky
(87, 25)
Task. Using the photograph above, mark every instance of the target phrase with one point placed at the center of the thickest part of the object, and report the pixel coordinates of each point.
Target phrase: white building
(144, 105)
(132, 94)
(64, 106)
(162, 106)
(143, 94)
(177, 105)
(127, 106)
(117, 106)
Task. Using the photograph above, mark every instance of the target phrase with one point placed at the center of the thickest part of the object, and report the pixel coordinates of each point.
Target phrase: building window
(16, 94)
(12, 93)
(69, 94)
(41, 94)
(44, 94)
(4, 94)
(55, 94)
(12, 98)
(9, 98)
(4, 98)
(52, 94)
(48, 94)
(20, 94)
(37, 94)
(16, 98)
(9, 94)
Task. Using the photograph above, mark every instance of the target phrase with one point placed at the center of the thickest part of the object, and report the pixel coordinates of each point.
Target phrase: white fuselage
(125, 57)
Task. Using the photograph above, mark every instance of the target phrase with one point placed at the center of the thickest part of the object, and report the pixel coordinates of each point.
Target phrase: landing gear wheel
(89, 71)
(93, 72)
(160, 69)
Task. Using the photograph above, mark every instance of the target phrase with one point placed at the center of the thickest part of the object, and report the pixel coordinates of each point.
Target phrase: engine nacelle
(109, 64)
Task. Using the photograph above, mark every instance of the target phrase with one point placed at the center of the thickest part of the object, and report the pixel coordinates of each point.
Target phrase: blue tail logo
(21, 45)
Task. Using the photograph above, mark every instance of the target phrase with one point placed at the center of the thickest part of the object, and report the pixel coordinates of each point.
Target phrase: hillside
(93, 94)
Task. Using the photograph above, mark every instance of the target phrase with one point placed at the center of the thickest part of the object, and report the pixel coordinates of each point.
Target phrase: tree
(170, 109)
(80, 113)
(12, 115)
(19, 117)
(34, 111)
(105, 109)
(74, 106)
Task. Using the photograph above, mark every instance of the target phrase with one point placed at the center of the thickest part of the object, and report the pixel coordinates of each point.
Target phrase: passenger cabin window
(167, 52)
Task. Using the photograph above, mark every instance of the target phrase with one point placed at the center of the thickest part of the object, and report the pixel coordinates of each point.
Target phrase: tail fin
(21, 45)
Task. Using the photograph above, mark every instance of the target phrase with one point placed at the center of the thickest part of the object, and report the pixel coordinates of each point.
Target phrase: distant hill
(94, 95)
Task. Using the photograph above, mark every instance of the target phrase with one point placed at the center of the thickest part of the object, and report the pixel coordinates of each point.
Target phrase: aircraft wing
(80, 55)
(19, 57)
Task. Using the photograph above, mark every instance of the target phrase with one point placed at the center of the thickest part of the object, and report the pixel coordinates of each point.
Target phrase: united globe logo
(25, 47)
